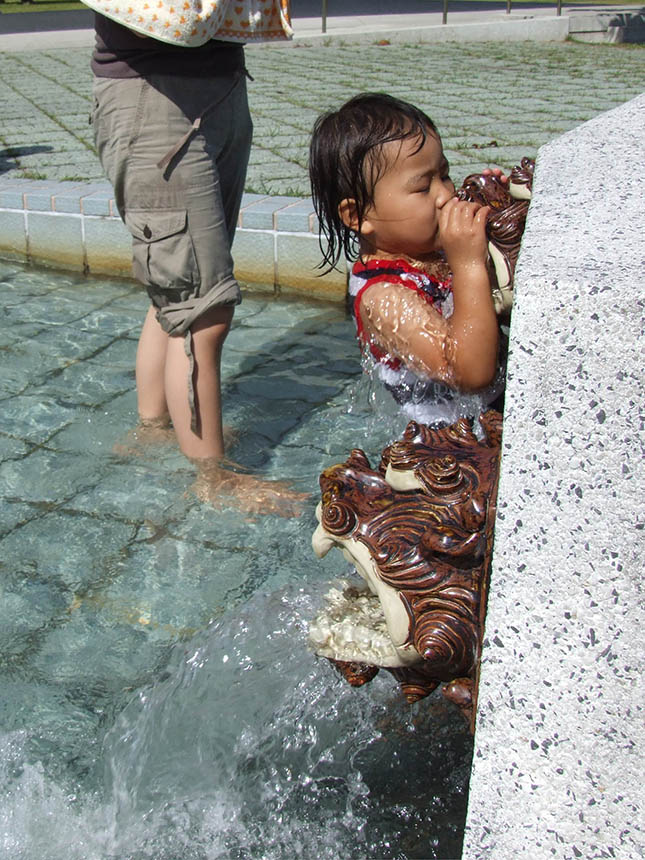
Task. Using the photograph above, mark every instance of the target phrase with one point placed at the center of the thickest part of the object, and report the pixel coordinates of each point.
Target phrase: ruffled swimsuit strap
(431, 289)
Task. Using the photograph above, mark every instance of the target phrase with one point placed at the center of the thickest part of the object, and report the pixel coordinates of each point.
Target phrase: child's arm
(462, 349)
(473, 338)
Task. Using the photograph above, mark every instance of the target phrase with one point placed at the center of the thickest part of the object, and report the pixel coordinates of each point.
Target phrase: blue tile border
(262, 215)
(85, 202)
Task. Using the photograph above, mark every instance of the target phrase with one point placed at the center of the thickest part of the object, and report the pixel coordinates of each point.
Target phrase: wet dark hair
(345, 161)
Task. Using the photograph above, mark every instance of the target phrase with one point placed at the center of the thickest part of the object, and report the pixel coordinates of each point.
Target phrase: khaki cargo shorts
(176, 151)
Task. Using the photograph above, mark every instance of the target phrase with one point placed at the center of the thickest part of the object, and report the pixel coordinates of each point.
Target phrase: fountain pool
(159, 699)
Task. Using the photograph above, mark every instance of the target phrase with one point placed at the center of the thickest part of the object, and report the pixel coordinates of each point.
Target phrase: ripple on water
(160, 701)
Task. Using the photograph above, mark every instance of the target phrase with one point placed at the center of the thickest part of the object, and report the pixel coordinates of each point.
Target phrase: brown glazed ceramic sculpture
(505, 223)
(419, 531)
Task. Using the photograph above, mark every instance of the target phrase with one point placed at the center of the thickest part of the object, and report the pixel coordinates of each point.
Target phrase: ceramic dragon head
(505, 223)
(418, 531)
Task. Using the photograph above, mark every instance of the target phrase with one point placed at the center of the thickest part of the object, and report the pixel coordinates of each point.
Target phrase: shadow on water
(160, 700)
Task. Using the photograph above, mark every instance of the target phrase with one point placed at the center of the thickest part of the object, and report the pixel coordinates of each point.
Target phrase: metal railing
(509, 6)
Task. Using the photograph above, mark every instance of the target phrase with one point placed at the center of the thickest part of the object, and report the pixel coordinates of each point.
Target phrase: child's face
(404, 217)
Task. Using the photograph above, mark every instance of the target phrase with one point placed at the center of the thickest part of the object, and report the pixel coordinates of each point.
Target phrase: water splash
(252, 747)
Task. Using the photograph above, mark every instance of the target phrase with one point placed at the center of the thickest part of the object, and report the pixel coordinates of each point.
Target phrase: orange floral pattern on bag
(201, 20)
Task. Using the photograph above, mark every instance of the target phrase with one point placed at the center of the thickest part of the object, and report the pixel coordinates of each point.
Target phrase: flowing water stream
(158, 697)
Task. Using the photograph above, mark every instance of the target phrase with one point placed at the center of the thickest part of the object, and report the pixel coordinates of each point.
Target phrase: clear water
(158, 696)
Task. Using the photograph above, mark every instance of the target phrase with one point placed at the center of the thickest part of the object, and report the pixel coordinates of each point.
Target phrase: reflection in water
(159, 700)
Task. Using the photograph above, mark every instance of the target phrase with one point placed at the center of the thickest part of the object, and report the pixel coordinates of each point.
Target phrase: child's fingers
(481, 215)
(462, 228)
(460, 214)
(497, 172)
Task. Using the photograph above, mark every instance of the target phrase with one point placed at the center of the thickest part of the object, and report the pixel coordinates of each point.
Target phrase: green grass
(41, 6)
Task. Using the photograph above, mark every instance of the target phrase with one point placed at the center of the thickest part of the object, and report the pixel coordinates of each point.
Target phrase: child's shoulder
(431, 279)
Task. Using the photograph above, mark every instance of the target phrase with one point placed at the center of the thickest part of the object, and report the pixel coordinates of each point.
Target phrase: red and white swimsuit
(436, 292)
(420, 398)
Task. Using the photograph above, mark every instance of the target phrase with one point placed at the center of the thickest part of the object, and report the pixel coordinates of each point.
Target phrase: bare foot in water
(231, 435)
(147, 434)
(158, 431)
(221, 487)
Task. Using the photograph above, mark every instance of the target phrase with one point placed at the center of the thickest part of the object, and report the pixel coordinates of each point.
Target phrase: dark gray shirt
(120, 53)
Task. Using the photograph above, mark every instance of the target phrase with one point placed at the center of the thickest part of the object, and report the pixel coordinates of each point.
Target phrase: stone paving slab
(491, 101)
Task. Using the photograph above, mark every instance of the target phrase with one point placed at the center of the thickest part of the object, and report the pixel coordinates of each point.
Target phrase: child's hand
(497, 173)
(462, 231)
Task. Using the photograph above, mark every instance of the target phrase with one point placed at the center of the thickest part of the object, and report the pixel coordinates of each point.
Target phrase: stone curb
(76, 226)
(548, 29)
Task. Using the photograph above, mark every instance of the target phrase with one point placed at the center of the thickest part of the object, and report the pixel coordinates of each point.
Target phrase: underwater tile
(95, 433)
(46, 476)
(96, 647)
(86, 384)
(290, 387)
(118, 354)
(253, 306)
(12, 449)
(13, 512)
(8, 272)
(87, 555)
(120, 323)
(26, 610)
(88, 290)
(45, 312)
(108, 247)
(24, 368)
(253, 253)
(136, 300)
(298, 259)
(138, 488)
(63, 343)
(169, 589)
(58, 709)
(27, 282)
(33, 418)
(55, 240)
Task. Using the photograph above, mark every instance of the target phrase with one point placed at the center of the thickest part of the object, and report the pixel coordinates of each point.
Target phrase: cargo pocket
(163, 254)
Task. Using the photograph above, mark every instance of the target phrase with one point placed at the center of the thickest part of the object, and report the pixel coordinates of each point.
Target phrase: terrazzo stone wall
(560, 731)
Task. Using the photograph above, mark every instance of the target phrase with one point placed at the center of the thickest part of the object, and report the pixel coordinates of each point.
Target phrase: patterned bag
(193, 22)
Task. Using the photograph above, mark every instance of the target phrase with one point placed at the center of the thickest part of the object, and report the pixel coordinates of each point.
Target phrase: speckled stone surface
(558, 766)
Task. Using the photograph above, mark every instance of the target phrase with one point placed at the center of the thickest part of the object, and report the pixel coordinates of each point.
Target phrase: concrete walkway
(493, 103)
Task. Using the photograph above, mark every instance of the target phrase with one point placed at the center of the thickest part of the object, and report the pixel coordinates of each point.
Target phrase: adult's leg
(203, 437)
(182, 219)
(151, 369)
(214, 169)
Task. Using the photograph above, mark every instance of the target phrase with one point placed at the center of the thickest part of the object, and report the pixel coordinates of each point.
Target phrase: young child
(420, 285)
